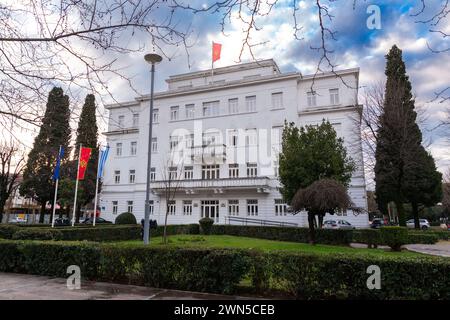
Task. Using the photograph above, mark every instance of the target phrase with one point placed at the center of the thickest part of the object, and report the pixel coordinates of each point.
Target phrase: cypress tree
(54, 131)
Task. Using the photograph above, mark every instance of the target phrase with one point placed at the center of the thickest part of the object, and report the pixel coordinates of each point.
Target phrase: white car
(424, 224)
(337, 224)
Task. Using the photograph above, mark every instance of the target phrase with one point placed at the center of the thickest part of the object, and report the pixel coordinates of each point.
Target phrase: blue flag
(58, 164)
(103, 157)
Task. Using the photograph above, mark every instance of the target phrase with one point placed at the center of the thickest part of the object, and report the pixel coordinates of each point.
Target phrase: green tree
(54, 131)
(402, 166)
(310, 154)
(87, 134)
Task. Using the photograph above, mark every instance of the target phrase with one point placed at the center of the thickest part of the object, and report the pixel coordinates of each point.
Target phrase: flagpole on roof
(56, 178)
(76, 188)
(212, 61)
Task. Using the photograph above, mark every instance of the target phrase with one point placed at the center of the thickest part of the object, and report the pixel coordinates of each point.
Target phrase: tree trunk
(312, 231)
(320, 217)
(77, 214)
(42, 213)
(415, 210)
(2, 206)
(51, 213)
(401, 214)
(165, 225)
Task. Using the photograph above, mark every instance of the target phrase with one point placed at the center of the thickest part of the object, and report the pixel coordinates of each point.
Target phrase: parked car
(60, 222)
(424, 224)
(18, 220)
(337, 224)
(378, 223)
(97, 220)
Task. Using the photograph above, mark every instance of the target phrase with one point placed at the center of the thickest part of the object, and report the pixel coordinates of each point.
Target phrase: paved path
(441, 248)
(30, 287)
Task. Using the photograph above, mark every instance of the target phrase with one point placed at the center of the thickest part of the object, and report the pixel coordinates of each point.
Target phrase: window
(250, 103)
(172, 207)
(151, 207)
(117, 176)
(189, 172)
(155, 115)
(118, 149)
(211, 138)
(334, 96)
(280, 207)
(132, 176)
(251, 137)
(133, 148)
(190, 111)
(173, 141)
(210, 108)
(311, 97)
(173, 173)
(130, 206)
(210, 172)
(154, 144)
(189, 140)
(121, 121)
(233, 138)
(233, 105)
(174, 112)
(277, 100)
(233, 207)
(252, 207)
(115, 206)
(233, 170)
(152, 174)
(135, 119)
(187, 207)
(252, 169)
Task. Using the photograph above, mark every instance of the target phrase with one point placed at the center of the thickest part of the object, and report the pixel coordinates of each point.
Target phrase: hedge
(372, 237)
(176, 229)
(305, 276)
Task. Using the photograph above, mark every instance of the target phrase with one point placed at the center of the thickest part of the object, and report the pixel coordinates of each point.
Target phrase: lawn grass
(225, 241)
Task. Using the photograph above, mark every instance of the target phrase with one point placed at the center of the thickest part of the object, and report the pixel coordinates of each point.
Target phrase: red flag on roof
(216, 48)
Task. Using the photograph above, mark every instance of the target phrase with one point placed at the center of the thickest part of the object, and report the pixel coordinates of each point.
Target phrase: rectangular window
(151, 207)
(115, 207)
(334, 96)
(252, 169)
(210, 108)
(154, 144)
(155, 115)
(189, 140)
(189, 172)
(233, 106)
(172, 207)
(133, 148)
(121, 121)
(117, 176)
(251, 137)
(233, 207)
(277, 100)
(187, 207)
(250, 103)
(210, 172)
(130, 206)
(118, 149)
(135, 120)
(311, 97)
(174, 112)
(233, 170)
(173, 141)
(252, 207)
(233, 138)
(190, 111)
(173, 173)
(153, 174)
(280, 207)
(132, 176)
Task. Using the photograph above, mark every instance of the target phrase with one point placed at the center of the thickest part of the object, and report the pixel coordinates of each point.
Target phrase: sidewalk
(30, 287)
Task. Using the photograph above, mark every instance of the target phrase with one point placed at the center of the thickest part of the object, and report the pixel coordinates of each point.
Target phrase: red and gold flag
(85, 154)
(216, 48)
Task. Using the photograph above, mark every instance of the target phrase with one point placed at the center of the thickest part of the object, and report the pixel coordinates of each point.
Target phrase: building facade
(215, 144)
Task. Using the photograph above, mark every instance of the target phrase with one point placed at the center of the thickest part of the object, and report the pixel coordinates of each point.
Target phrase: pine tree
(87, 134)
(400, 157)
(54, 131)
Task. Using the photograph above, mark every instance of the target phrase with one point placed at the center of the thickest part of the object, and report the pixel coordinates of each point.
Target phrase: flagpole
(56, 194)
(212, 62)
(96, 187)
(76, 188)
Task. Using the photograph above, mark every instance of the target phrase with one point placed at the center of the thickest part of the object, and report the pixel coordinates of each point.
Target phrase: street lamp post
(153, 59)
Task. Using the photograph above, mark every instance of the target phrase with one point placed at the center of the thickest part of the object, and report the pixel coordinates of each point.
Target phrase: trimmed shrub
(37, 234)
(126, 218)
(372, 237)
(7, 231)
(394, 237)
(369, 236)
(173, 229)
(206, 225)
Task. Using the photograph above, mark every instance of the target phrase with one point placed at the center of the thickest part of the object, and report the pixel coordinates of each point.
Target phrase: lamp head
(152, 58)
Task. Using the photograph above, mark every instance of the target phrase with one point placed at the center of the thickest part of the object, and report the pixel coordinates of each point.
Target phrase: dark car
(60, 222)
(99, 220)
(377, 223)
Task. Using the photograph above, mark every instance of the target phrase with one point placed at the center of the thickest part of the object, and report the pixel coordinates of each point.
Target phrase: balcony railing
(259, 183)
(210, 153)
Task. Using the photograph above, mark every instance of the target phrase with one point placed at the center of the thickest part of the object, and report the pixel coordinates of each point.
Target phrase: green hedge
(323, 236)
(305, 276)
(372, 237)
(176, 229)
(7, 231)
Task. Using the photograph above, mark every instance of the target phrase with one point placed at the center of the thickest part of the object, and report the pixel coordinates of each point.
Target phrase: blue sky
(356, 46)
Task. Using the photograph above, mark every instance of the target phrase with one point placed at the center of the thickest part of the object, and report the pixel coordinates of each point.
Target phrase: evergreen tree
(87, 134)
(54, 131)
(401, 160)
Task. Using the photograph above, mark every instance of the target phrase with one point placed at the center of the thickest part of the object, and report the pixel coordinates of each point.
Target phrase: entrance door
(210, 209)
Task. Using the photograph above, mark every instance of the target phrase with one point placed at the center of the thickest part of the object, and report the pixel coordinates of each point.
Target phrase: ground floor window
(130, 206)
(115, 206)
(187, 207)
(280, 207)
(172, 207)
(252, 207)
(233, 207)
(150, 207)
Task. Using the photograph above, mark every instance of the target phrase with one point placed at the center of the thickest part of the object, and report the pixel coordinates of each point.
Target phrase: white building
(215, 142)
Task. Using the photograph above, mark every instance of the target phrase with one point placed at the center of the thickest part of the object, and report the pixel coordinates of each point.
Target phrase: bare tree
(12, 162)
